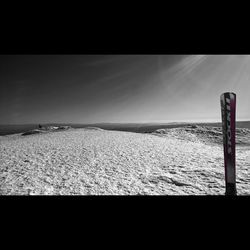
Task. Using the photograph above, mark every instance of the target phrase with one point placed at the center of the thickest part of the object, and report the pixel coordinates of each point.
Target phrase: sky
(120, 88)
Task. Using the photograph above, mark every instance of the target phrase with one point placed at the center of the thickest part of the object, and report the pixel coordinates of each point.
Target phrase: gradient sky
(120, 88)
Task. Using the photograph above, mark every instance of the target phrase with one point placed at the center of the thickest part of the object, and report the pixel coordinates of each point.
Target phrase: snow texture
(93, 161)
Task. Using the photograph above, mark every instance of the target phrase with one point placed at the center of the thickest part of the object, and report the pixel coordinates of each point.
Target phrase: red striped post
(228, 110)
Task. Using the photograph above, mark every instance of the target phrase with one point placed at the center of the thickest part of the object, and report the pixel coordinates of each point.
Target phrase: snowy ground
(181, 161)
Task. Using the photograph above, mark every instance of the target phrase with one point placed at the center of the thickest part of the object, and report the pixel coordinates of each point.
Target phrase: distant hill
(206, 134)
(129, 127)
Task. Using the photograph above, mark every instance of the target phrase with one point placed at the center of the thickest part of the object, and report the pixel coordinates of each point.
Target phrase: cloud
(190, 63)
(115, 75)
(103, 61)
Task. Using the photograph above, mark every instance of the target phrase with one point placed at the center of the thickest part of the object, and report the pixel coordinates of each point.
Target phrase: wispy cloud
(115, 75)
(106, 60)
(118, 77)
(190, 63)
(182, 68)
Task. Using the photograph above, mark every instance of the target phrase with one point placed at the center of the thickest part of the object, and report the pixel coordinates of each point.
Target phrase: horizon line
(163, 122)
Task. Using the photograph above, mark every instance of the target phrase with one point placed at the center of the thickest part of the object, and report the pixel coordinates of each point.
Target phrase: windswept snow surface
(181, 161)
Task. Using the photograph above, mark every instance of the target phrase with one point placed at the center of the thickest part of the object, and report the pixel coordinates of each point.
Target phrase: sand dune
(99, 162)
(206, 134)
(46, 129)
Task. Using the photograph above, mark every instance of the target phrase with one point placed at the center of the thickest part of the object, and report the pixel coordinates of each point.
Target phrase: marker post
(228, 110)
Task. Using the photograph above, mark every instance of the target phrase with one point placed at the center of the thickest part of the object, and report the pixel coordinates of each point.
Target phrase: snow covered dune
(100, 162)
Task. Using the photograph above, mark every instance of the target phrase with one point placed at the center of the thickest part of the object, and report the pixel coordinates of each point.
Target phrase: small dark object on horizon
(40, 126)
